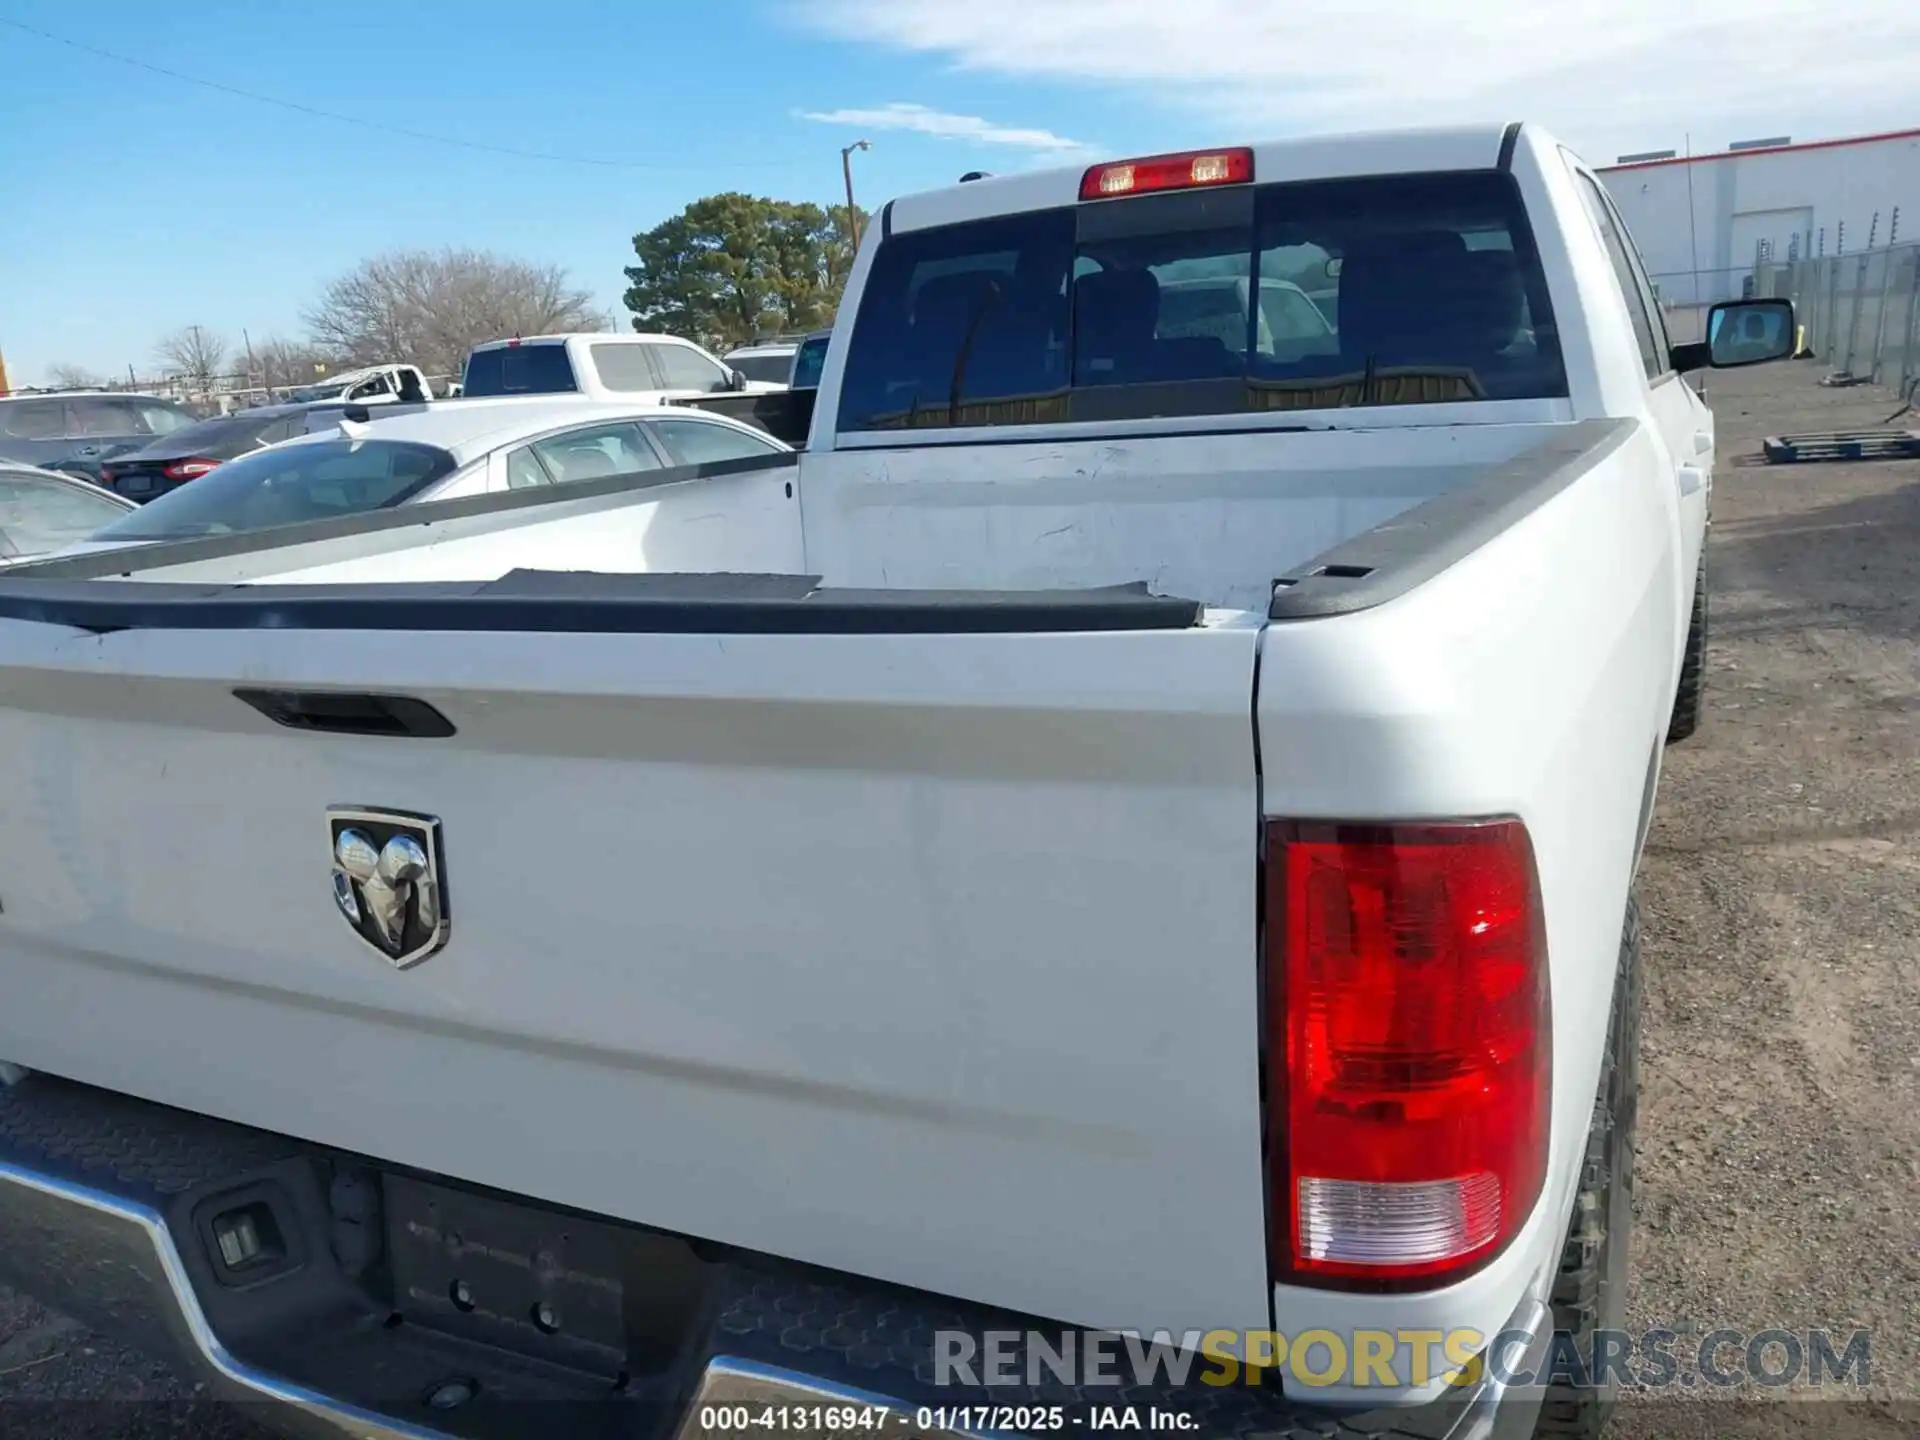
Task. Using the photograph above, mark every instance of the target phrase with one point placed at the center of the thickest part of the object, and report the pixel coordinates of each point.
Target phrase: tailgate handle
(349, 712)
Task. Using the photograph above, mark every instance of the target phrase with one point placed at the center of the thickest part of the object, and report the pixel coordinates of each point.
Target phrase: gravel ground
(1780, 1114)
(1780, 1108)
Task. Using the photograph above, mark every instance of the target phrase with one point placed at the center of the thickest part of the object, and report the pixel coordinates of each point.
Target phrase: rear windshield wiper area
(586, 602)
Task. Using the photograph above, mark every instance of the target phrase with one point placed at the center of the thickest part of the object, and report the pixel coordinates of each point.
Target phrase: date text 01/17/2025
(1020, 1419)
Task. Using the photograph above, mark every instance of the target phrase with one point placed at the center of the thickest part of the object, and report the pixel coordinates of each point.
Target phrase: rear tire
(1689, 697)
(1590, 1292)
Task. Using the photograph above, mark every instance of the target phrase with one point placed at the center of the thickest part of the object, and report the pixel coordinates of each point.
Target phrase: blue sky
(132, 203)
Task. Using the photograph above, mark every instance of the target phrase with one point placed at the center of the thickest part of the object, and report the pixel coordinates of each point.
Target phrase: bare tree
(73, 377)
(432, 307)
(196, 355)
(281, 362)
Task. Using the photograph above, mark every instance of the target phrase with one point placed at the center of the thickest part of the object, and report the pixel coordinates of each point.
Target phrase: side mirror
(736, 379)
(1740, 332)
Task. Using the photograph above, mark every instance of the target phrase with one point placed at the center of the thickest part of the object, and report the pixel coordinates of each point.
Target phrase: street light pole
(846, 171)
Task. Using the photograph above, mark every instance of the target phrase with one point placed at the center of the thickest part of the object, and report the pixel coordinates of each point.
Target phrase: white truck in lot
(601, 367)
(372, 385)
(1127, 831)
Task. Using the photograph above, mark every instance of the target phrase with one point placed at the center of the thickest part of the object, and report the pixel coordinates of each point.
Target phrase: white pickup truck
(1127, 831)
(601, 367)
(372, 385)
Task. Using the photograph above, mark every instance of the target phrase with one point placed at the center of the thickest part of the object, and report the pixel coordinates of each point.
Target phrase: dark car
(42, 511)
(75, 432)
(185, 454)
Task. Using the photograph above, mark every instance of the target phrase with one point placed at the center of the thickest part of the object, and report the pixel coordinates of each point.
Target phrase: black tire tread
(1689, 698)
(1581, 1303)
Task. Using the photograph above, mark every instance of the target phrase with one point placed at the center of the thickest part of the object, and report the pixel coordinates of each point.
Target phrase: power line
(383, 126)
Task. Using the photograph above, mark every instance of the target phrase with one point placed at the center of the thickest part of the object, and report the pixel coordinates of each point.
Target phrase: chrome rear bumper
(89, 1221)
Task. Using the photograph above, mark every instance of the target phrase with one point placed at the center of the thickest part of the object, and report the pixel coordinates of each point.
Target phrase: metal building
(1704, 222)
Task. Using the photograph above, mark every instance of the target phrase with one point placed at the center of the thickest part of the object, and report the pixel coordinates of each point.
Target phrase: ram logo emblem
(390, 881)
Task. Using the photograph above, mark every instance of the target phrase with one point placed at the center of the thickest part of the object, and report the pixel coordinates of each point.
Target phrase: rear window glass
(519, 370)
(41, 515)
(772, 369)
(809, 361)
(284, 486)
(1381, 291)
(624, 367)
(703, 442)
(33, 419)
(90, 416)
(217, 439)
(684, 368)
(164, 419)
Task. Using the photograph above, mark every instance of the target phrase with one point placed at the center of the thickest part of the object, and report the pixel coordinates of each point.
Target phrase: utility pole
(265, 380)
(846, 171)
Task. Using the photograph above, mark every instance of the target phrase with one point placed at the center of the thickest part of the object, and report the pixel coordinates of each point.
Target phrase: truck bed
(1213, 518)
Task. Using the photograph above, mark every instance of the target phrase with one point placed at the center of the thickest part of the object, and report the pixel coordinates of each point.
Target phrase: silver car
(42, 511)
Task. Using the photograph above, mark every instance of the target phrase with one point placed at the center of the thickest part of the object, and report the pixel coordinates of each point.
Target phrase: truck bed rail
(583, 602)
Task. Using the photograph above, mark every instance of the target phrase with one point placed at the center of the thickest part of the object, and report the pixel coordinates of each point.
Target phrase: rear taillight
(1409, 1049)
(1184, 171)
(106, 476)
(189, 469)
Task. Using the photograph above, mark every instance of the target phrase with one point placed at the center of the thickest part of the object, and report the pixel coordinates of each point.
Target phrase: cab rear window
(809, 361)
(520, 370)
(1379, 291)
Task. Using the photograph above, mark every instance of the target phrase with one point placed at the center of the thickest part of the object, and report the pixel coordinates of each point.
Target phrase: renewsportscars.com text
(1655, 1359)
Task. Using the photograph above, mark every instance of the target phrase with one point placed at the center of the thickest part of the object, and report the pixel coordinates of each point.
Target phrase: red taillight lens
(1167, 172)
(1410, 1049)
(189, 469)
(106, 476)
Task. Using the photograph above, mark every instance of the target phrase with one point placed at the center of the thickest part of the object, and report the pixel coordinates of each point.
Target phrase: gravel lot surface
(1780, 1108)
(1780, 1115)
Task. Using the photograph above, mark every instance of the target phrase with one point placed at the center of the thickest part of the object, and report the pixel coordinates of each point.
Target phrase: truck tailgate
(927, 957)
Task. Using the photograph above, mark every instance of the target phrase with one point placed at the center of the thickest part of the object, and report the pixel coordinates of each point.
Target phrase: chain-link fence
(1860, 313)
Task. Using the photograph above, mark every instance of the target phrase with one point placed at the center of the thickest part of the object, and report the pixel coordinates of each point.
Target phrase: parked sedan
(473, 447)
(43, 510)
(169, 462)
(77, 430)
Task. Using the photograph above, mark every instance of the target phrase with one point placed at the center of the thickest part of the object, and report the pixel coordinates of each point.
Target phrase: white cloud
(1604, 74)
(924, 121)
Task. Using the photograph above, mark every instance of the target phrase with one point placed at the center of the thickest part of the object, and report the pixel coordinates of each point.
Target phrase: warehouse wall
(1740, 197)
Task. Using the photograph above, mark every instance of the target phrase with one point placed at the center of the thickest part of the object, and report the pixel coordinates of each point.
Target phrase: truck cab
(369, 385)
